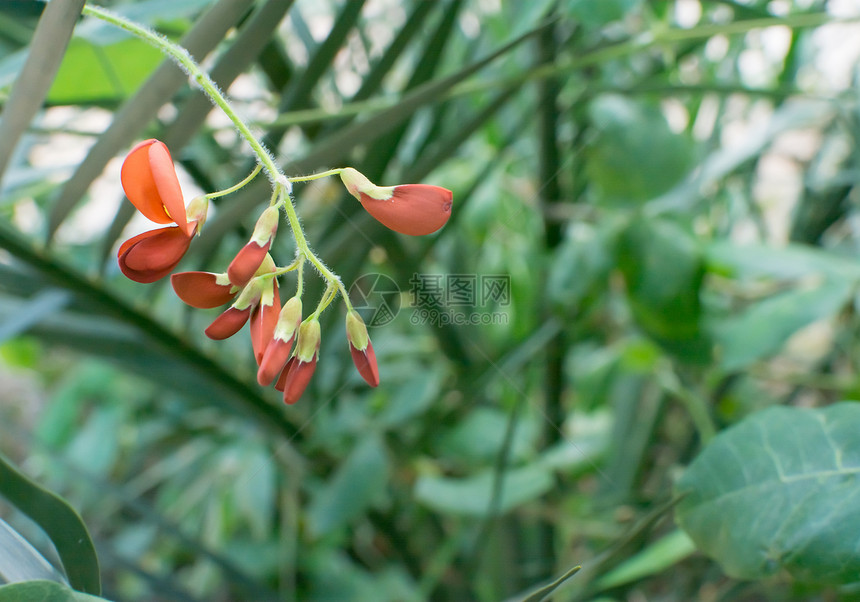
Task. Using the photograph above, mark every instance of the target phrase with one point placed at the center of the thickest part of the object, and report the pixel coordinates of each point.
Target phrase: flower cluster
(285, 347)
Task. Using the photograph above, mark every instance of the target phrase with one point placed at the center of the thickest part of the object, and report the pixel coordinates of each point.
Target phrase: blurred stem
(234, 188)
(550, 166)
(280, 182)
(696, 405)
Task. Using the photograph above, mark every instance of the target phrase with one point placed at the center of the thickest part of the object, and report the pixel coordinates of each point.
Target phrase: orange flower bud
(203, 289)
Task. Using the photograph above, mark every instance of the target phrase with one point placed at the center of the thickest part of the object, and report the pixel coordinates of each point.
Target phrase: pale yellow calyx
(222, 279)
(356, 331)
(267, 296)
(266, 226)
(197, 210)
(288, 319)
(357, 184)
(308, 344)
(267, 266)
(250, 295)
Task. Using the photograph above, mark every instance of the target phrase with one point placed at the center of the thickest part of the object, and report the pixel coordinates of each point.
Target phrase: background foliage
(670, 187)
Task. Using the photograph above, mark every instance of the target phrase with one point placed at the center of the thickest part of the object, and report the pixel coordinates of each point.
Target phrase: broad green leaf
(42, 591)
(779, 492)
(663, 270)
(472, 496)
(352, 489)
(763, 329)
(59, 521)
(635, 156)
(580, 267)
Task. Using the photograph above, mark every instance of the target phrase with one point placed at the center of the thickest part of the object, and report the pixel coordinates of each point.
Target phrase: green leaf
(19, 561)
(779, 491)
(42, 591)
(595, 14)
(543, 592)
(60, 522)
(92, 72)
(656, 558)
(763, 329)
(352, 489)
(663, 271)
(635, 156)
(472, 495)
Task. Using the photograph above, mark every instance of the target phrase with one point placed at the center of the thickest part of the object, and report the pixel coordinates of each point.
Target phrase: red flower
(361, 348)
(203, 289)
(235, 316)
(264, 318)
(278, 350)
(150, 183)
(413, 209)
(299, 370)
(248, 260)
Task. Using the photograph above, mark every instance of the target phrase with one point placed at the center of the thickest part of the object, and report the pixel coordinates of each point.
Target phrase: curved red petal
(282, 379)
(297, 379)
(413, 209)
(228, 323)
(246, 263)
(201, 289)
(152, 255)
(150, 183)
(274, 360)
(263, 320)
(365, 362)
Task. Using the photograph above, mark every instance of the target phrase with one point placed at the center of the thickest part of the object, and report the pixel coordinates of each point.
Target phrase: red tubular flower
(301, 367)
(278, 350)
(150, 183)
(152, 255)
(263, 319)
(234, 318)
(413, 209)
(361, 348)
(248, 260)
(203, 289)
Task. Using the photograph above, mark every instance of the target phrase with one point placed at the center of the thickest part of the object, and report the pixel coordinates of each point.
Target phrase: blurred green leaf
(471, 496)
(762, 329)
(594, 14)
(664, 553)
(352, 489)
(778, 492)
(60, 522)
(635, 156)
(663, 269)
(91, 72)
(19, 561)
(42, 591)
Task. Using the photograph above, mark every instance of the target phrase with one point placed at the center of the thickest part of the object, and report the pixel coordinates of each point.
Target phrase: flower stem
(280, 182)
(316, 176)
(232, 189)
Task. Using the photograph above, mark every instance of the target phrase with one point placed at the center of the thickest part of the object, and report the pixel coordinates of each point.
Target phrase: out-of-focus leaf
(42, 591)
(471, 496)
(663, 270)
(60, 522)
(19, 561)
(352, 489)
(594, 14)
(579, 266)
(763, 329)
(45, 303)
(96, 73)
(788, 262)
(779, 492)
(635, 156)
(656, 558)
